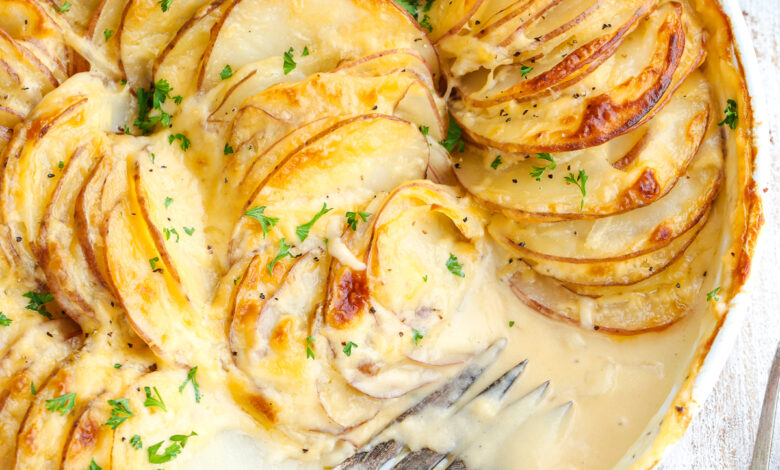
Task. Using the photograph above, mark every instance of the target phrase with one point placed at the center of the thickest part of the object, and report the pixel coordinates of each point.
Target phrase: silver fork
(764, 454)
(395, 455)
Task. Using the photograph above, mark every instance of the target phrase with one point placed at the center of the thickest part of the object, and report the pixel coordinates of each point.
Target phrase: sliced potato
(448, 16)
(623, 173)
(91, 440)
(145, 31)
(650, 304)
(103, 28)
(631, 233)
(622, 93)
(254, 30)
(54, 341)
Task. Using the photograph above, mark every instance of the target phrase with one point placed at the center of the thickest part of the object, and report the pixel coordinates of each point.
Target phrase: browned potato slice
(422, 248)
(631, 233)
(447, 17)
(90, 215)
(87, 374)
(77, 15)
(90, 439)
(254, 30)
(623, 174)
(622, 93)
(53, 342)
(650, 304)
(145, 31)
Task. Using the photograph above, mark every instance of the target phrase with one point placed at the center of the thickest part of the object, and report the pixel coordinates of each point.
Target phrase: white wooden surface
(722, 435)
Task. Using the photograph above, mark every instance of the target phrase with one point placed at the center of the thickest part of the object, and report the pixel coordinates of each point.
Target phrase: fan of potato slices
(263, 205)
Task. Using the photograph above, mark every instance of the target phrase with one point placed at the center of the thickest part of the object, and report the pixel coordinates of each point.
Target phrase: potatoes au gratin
(252, 233)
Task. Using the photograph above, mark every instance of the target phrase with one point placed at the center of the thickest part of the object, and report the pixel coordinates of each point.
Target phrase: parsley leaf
(37, 302)
(417, 336)
(284, 251)
(348, 348)
(135, 441)
(120, 412)
(165, 5)
(107, 33)
(265, 222)
(227, 150)
(409, 5)
(525, 70)
(425, 130)
(153, 99)
(64, 8)
(538, 171)
(580, 181)
(93, 465)
(453, 139)
(189, 230)
(305, 51)
(191, 378)
(168, 201)
(303, 230)
(714, 295)
(496, 163)
(4, 321)
(511, 324)
(61, 165)
(117, 366)
(32, 388)
(171, 231)
(426, 23)
(454, 267)
(62, 404)
(226, 73)
(732, 116)
(309, 349)
(185, 142)
(153, 263)
(152, 401)
(352, 218)
(169, 454)
(289, 62)
(182, 438)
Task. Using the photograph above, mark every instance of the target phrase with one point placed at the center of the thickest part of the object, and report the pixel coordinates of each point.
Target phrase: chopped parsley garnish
(580, 181)
(454, 267)
(168, 454)
(62, 404)
(289, 62)
(525, 70)
(410, 6)
(425, 278)
(496, 162)
(185, 142)
(4, 321)
(152, 401)
(37, 302)
(714, 295)
(189, 230)
(303, 230)
(309, 349)
(64, 8)
(107, 33)
(265, 222)
(305, 51)
(61, 165)
(417, 336)
(135, 441)
(413, 7)
(226, 73)
(538, 171)
(453, 139)
(120, 412)
(153, 263)
(165, 5)
(182, 438)
(168, 201)
(32, 388)
(511, 324)
(117, 366)
(352, 218)
(425, 23)
(93, 465)
(151, 100)
(227, 150)
(191, 379)
(425, 130)
(171, 231)
(284, 251)
(732, 117)
(348, 348)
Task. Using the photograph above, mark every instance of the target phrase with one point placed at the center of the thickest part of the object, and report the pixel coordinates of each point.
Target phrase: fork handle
(762, 452)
